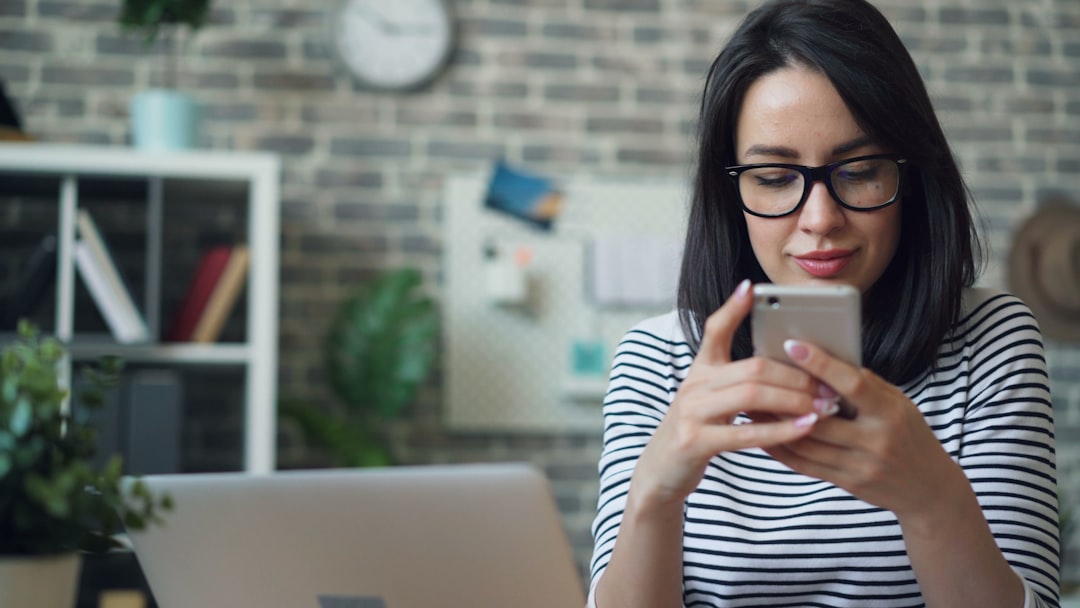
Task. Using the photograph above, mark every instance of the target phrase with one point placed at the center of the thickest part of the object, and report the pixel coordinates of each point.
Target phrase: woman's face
(794, 115)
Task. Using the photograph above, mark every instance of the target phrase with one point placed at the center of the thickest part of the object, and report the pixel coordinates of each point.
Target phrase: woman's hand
(887, 456)
(698, 425)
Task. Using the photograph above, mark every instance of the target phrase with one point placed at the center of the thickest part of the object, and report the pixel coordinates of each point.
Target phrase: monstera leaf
(381, 346)
(377, 352)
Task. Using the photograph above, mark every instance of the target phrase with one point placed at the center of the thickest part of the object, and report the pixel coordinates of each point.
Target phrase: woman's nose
(821, 213)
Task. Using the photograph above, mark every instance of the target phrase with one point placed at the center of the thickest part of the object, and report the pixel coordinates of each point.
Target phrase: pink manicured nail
(826, 407)
(796, 350)
(807, 420)
(743, 288)
(826, 392)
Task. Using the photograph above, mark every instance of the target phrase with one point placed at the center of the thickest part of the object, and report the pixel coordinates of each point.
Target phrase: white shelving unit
(260, 174)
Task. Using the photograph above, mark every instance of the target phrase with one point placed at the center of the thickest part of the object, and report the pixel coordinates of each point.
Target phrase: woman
(725, 480)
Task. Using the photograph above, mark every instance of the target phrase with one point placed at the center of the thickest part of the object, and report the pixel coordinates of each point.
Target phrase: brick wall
(563, 86)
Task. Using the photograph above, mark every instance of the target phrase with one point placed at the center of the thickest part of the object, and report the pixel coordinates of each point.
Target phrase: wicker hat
(1044, 268)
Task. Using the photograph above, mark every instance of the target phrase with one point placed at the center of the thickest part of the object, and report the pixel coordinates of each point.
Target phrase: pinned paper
(531, 198)
(633, 271)
(587, 358)
(506, 269)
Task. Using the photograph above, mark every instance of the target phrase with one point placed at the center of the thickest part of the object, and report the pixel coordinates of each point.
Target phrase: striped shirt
(756, 533)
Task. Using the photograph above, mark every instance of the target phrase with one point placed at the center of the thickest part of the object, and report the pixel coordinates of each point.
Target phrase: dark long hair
(910, 310)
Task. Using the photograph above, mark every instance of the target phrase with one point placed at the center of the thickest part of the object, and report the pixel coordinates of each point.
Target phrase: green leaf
(10, 389)
(150, 16)
(381, 345)
(349, 445)
(21, 417)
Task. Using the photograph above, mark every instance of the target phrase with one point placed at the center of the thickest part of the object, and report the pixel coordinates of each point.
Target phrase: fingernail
(743, 288)
(826, 407)
(826, 392)
(796, 350)
(807, 420)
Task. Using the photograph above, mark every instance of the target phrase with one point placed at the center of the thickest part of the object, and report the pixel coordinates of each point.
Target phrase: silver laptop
(439, 536)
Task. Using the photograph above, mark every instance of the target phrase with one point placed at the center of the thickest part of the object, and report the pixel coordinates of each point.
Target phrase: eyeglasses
(864, 183)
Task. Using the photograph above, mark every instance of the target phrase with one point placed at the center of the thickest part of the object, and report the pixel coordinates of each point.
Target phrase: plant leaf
(349, 445)
(21, 417)
(381, 345)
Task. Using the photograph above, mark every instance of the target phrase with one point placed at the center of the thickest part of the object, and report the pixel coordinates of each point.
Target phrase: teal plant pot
(164, 120)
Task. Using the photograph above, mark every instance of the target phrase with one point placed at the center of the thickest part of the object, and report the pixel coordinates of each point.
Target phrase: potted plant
(377, 352)
(164, 118)
(53, 504)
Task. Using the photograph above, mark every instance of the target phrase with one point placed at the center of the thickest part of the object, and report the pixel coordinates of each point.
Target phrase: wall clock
(393, 45)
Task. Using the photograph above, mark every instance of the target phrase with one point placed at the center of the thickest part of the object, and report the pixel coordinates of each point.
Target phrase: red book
(211, 265)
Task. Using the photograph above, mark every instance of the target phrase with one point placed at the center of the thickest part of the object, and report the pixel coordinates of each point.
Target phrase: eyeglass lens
(865, 183)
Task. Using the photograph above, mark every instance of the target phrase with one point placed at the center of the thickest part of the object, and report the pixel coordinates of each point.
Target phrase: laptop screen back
(401, 537)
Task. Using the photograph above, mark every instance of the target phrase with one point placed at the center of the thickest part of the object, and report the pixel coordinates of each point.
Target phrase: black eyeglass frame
(820, 174)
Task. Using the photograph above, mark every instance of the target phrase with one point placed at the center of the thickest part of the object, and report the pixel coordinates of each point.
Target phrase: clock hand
(368, 14)
(413, 29)
(389, 27)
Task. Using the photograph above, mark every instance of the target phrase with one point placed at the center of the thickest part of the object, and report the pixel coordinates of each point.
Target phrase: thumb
(721, 325)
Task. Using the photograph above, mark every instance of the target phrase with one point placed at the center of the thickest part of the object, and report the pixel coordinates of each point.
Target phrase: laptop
(436, 536)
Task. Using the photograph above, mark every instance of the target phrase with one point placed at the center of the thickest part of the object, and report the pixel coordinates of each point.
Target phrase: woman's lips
(824, 263)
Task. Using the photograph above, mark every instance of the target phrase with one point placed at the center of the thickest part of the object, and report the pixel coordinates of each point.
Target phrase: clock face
(393, 44)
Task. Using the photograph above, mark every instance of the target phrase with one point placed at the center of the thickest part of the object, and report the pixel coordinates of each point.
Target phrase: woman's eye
(775, 179)
(857, 174)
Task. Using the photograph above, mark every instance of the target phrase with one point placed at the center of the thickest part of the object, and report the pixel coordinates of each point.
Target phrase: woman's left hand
(887, 456)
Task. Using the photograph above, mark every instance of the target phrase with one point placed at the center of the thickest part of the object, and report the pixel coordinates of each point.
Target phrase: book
(207, 273)
(152, 419)
(122, 326)
(37, 277)
(140, 420)
(223, 298)
(110, 291)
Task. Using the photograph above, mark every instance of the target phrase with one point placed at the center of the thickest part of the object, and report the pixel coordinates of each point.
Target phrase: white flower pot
(49, 581)
(162, 119)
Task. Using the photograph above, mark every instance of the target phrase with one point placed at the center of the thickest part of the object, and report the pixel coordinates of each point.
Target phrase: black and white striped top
(758, 534)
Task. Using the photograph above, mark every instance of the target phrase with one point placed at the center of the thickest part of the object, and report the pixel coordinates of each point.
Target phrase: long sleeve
(1007, 446)
(646, 371)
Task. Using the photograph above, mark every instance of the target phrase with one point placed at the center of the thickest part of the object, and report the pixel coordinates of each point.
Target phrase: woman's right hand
(698, 424)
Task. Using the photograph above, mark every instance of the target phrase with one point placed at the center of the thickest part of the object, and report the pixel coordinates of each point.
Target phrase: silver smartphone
(827, 316)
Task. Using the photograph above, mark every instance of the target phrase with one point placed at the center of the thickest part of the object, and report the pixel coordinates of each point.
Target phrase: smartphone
(826, 316)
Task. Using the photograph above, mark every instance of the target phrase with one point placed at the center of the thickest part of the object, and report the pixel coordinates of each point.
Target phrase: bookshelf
(67, 172)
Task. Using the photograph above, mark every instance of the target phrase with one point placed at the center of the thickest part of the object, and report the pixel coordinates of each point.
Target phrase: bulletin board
(508, 368)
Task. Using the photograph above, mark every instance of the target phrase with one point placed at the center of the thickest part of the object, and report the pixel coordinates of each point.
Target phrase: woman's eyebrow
(786, 152)
(765, 150)
(854, 144)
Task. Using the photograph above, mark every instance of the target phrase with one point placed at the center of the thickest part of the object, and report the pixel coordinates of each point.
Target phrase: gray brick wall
(566, 86)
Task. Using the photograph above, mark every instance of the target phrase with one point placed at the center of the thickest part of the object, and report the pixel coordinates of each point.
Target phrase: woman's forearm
(954, 555)
(645, 569)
